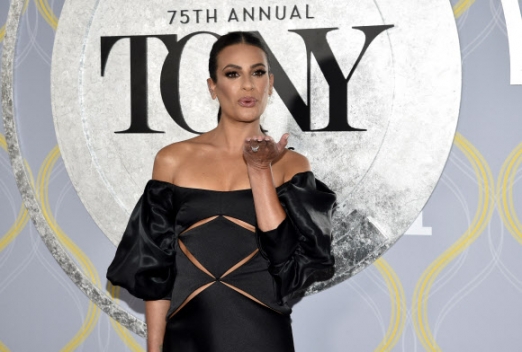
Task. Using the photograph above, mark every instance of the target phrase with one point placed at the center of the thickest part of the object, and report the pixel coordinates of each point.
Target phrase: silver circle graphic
(375, 209)
(120, 164)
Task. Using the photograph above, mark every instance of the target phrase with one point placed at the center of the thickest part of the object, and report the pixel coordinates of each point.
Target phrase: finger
(283, 141)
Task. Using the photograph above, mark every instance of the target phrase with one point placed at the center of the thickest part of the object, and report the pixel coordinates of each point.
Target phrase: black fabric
(155, 260)
(300, 245)
(144, 260)
(228, 322)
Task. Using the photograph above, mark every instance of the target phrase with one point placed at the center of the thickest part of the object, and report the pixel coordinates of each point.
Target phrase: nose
(248, 83)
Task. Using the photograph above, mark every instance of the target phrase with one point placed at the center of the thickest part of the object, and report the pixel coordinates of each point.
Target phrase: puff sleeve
(301, 245)
(144, 263)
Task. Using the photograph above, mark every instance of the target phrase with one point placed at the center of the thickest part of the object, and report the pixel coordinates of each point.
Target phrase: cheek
(227, 92)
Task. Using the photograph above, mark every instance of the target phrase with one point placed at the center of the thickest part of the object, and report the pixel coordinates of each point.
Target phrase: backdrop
(452, 283)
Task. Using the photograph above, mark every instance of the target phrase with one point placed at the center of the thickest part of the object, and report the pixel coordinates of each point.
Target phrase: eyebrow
(239, 67)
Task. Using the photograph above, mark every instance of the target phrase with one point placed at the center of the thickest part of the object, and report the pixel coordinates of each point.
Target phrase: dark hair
(229, 39)
(233, 38)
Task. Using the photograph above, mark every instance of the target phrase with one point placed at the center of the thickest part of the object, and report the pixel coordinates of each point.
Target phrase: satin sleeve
(144, 263)
(301, 245)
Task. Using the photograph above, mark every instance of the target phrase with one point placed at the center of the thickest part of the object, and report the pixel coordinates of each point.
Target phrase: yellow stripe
(3, 142)
(3, 348)
(23, 215)
(47, 12)
(2, 29)
(2, 35)
(86, 265)
(482, 216)
(512, 215)
(15, 229)
(398, 304)
(19, 224)
(505, 183)
(122, 332)
(462, 6)
(397, 318)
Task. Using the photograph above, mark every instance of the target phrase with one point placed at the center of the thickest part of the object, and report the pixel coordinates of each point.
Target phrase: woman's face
(243, 83)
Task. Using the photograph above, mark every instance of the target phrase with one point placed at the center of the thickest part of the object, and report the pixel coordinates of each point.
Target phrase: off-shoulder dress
(227, 284)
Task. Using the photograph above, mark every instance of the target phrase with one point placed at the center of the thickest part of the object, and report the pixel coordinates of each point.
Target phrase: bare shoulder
(294, 163)
(169, 158)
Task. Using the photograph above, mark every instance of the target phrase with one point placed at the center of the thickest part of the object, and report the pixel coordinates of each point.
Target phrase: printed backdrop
(452, 283)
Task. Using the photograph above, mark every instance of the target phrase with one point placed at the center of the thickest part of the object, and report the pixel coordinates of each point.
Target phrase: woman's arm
(294, 222)
(155, 313)
(269, 212)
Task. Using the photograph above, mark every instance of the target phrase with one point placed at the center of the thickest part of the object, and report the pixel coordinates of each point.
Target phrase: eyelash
(235, 74)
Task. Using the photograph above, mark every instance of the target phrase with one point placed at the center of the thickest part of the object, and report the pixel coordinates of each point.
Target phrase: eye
(259, 73)
(232, 74)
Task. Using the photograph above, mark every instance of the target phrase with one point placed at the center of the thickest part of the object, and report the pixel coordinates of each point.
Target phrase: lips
(247, 102)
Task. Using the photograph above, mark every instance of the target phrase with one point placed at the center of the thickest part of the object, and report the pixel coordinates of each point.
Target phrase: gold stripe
(398, 306)
(47, 13)
(16, 228)
(43, 193)
(468, 238)
(462, 6)
(3, 142)
(482, 216)
(86, 265)
(3, 348)
(21, 219)
(122, 331)
(2, 29)
(394, 329)
(506, 206)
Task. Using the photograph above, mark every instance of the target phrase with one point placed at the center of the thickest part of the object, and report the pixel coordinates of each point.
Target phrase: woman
(230, 224)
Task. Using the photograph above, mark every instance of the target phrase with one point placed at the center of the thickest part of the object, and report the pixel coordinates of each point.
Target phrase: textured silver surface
(383, 182)
(109, 170)
(95, 294)
(356, 244)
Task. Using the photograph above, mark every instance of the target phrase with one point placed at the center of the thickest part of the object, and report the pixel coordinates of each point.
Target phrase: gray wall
(457, 289)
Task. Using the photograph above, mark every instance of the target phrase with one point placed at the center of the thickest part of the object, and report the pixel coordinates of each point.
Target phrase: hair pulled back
(233, 38)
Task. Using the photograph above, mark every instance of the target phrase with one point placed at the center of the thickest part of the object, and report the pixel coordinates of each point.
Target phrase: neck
(231, 135)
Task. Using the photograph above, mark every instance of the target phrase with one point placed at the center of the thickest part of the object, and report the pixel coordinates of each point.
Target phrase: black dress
(227, 284)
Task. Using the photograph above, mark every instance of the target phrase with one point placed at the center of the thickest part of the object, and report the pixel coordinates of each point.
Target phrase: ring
(254, 149)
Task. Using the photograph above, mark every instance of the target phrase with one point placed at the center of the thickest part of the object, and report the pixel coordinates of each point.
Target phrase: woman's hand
(261, 151)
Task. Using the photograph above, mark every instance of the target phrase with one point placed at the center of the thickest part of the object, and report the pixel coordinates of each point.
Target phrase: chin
(249, 117)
